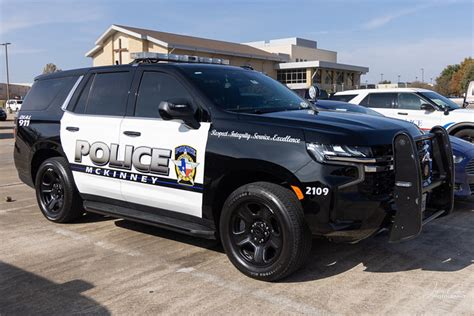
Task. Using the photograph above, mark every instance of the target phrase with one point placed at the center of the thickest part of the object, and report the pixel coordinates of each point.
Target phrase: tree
(50, 68)
(454, 79)
(443, 81)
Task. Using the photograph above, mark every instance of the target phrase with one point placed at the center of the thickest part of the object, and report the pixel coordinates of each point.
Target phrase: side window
(381, 100)
(105, 94)
(410, 101)
(154, 88)
(365, 101)
(46, 92)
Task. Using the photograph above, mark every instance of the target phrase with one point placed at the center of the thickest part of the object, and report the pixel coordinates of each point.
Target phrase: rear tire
(56, 192)
(466, 134)
(264, 232)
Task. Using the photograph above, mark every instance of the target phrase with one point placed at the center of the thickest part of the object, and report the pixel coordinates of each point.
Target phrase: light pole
(8, 77)
(381, 78)
(422, 75)
(398, 79)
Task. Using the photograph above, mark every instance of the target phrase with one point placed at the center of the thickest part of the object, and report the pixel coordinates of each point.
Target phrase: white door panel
(91, 129)
(176, 186)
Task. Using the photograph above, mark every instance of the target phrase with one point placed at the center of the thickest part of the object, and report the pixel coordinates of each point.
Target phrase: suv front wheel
(263, 231)
(56, 193)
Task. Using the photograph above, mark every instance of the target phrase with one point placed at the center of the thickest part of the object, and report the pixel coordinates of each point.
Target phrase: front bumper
(364, 199)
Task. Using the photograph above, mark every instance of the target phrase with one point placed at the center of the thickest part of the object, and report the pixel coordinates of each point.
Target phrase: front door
(168, 158)
(409, 108)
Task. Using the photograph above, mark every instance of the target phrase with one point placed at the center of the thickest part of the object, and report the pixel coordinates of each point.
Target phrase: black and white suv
(214, 150)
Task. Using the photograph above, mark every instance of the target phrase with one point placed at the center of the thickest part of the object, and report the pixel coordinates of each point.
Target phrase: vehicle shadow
(25, 293)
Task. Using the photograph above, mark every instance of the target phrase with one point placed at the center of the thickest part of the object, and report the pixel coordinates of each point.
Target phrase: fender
(458, 126)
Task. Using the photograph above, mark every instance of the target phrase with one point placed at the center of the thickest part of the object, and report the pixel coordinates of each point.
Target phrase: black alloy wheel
(56, 192)
(263, 231)
(256, 233)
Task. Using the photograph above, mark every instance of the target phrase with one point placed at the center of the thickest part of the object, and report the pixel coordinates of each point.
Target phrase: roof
(383, 90)
(198, 44)
(321, 64)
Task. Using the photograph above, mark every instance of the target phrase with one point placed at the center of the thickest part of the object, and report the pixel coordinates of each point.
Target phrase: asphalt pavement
(108, 266)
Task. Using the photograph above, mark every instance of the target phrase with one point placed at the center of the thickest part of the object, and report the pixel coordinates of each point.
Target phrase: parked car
(3, 115)
(423, 107)
(463, 154)
(469, 95)
(13, 105)
(224, 152)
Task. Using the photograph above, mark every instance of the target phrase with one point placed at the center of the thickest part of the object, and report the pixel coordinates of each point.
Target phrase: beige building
(294, 61)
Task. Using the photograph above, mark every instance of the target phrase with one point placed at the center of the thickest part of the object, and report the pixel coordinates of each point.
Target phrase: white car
(423, 107)
(13, 105)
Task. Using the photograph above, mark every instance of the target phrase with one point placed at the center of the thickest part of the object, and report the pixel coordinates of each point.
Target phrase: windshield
(244, 90)
(441, 101)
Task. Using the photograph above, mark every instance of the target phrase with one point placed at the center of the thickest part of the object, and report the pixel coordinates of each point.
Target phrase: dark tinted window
(343, 97)
(410, 101)
(82, 101)
(108, 94)
(154, 88)
(47, 92)
(379, 100)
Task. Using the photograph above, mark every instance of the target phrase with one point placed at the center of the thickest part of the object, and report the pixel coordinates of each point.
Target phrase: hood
(344, 128)
(467, 114)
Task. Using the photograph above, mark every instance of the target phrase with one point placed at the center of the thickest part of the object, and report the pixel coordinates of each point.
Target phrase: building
(17, 90)
(296, 62)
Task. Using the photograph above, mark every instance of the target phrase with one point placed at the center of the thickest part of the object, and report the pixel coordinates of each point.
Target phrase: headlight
(323, 153)
(458, 159)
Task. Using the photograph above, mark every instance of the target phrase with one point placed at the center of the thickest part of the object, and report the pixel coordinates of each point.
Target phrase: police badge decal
(185, 164)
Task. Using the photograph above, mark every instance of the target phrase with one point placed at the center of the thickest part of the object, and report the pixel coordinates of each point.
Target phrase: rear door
(90, 130)
(383, 102)
(167, 170)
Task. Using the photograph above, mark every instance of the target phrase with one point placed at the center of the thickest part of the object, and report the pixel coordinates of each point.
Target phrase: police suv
(216, 151)
(423, 107)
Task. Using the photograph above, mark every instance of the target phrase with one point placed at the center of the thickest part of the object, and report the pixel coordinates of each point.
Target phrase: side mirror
(427, 107)
(179, 109)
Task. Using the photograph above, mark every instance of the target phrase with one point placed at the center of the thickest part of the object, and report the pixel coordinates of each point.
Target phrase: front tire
(56, 193)
(466, 134)
(263, 231)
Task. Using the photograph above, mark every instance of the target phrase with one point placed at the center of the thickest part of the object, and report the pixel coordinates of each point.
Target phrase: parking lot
(102, 265)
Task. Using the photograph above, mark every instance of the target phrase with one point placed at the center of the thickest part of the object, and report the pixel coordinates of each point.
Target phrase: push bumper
(423, 190)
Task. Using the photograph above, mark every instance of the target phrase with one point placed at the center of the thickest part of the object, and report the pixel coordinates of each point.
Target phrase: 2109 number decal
(317, 191)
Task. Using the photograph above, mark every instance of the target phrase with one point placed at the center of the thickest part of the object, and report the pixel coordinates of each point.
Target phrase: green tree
(50, 68)
(467, 75)
(443, 81)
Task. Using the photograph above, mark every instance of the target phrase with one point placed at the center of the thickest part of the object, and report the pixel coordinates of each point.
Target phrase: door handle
(402, 113)
(132, 133)
(72, 129)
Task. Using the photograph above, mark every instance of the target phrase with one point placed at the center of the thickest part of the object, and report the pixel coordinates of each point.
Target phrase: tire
(56, 192)
(264, 232)
(466, 134)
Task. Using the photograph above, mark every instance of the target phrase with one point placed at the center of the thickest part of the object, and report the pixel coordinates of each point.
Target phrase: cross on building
(119, 50)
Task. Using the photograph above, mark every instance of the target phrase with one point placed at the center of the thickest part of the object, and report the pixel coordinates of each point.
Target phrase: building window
(287, 76)
(317, 76)
(339, 77)
(329, 77)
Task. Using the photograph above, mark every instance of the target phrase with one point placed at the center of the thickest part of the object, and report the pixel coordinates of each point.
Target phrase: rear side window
(343, 97)
(154, 88)
(379, 100)
(47, 92)
(105, 94)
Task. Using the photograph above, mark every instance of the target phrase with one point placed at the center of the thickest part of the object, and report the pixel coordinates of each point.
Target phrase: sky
(390, 37)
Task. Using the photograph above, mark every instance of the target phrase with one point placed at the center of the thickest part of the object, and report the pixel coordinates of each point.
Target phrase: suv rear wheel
(56, 193)
(263, 231)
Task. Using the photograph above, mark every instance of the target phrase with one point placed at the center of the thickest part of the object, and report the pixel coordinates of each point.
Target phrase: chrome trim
(359, 160)
(71, 93)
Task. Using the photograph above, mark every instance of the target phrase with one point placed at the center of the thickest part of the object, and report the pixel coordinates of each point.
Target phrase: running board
(174, 224)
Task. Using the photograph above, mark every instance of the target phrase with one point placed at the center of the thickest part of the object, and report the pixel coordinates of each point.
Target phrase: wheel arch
(248, 171)
(41, 152)
(453, 129)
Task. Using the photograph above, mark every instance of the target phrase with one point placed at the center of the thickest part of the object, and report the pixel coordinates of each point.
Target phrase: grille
(471, 186)
(470, 168)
